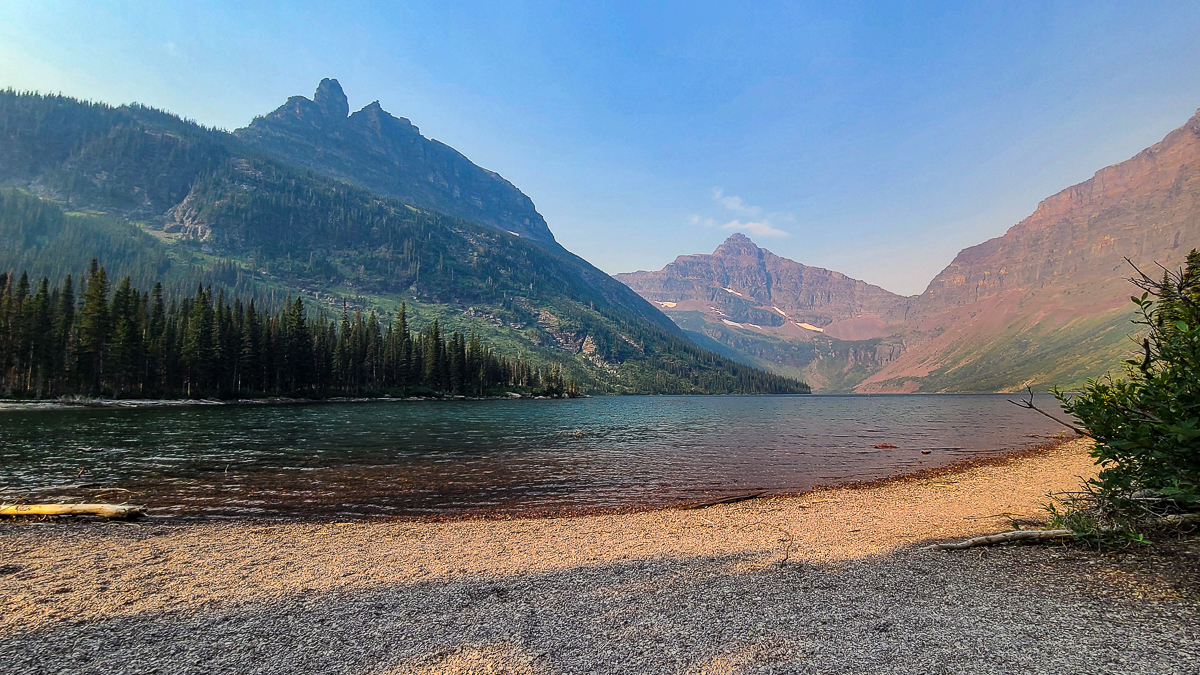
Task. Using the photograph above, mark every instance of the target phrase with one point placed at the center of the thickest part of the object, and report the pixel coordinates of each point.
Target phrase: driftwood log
(1042, 535)
(105, 510)
(1003, 538)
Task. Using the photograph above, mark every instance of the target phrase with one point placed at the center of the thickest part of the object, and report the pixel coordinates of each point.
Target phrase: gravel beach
(831, 581)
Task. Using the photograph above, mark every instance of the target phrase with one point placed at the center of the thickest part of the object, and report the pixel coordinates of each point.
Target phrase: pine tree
(126, 346)
(41, 340)
(64, 342)
(251, 371)
(93, 329)
(156, 346)
(198, 352)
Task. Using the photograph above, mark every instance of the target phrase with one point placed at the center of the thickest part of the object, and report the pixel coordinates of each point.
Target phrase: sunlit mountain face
(1045, 304)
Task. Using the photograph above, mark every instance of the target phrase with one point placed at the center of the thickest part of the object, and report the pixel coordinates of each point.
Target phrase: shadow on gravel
(1007, 610)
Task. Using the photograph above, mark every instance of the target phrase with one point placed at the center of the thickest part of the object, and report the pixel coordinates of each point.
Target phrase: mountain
(776, 313)
(284, 209)
(742, 283)
(1046, 304)
(389, 155)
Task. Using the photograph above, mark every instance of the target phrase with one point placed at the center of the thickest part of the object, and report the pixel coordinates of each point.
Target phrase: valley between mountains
(1046, 304)
(357, 211)
(350, 212)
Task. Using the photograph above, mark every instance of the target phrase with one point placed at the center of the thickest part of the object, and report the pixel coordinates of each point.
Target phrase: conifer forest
(94, 338)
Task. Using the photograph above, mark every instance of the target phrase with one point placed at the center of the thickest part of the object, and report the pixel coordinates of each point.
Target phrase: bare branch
(1153, 418)
(1155, 287)
(1028, 405)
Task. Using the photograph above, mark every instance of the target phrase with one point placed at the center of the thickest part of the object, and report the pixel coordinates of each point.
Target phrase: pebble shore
(832, 581)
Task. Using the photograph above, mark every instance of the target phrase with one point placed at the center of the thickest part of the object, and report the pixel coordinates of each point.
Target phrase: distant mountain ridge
(795, 319)
(741, 282)
(1046, 304)
(389, 155)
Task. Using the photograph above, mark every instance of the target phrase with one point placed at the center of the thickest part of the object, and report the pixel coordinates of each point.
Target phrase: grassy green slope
(1041, 356)
(779, 356)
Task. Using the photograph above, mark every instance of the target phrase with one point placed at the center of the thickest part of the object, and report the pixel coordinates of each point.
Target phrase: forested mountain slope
(196, 203)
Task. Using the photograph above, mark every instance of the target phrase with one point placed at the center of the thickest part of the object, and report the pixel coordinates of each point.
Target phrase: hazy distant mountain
(740, 282)
(359, 210)
(1046, 304)
(389, 155)
(798, 320)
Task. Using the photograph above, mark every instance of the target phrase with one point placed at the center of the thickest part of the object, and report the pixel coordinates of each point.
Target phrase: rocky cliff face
(389, 155)
(801, 321)
(1048, 302)
(1146, 208)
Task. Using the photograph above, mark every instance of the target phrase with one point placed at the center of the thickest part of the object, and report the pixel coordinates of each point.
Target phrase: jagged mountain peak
(738, 244)
(331, 100)
(373, 119)
(388, 154)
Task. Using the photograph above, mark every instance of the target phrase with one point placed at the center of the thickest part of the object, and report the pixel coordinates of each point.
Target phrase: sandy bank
(826, 582)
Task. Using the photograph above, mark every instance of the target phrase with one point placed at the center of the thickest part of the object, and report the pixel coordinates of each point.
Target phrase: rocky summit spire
(737, 244)
(331, 100)
(389, 155)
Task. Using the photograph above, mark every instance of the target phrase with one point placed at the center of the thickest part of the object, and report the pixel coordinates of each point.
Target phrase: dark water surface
(410, 458)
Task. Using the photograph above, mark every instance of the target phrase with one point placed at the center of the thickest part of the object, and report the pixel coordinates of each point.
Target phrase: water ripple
(401, 457)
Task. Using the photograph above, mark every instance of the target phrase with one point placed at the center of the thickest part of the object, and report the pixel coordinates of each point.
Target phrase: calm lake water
(395, 458)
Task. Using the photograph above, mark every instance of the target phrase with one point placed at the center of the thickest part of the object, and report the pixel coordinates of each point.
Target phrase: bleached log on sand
(1041, 535)
(105, 510)
(1003, 538)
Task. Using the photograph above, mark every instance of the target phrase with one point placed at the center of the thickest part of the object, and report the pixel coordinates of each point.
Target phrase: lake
(453, 458)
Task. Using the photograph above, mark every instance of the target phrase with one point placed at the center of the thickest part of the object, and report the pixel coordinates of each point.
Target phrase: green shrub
(1147, 425)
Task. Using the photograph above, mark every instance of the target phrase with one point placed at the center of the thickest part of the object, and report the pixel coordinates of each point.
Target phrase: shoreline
(126, 403)
(1075, 446)
(80, 402)
(952, 469)
(831, 581)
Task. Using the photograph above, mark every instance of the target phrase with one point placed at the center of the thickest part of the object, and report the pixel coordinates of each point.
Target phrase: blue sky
(876, 139)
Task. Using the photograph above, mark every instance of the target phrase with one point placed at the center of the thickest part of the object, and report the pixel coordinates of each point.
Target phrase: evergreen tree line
(95, 340)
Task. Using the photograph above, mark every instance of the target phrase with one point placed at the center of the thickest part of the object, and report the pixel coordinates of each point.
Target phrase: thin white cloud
(172, 50)
(735, 203)
(755, 222)
(760, 228)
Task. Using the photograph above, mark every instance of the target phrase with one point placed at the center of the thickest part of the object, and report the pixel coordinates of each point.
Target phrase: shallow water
(414, 458)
